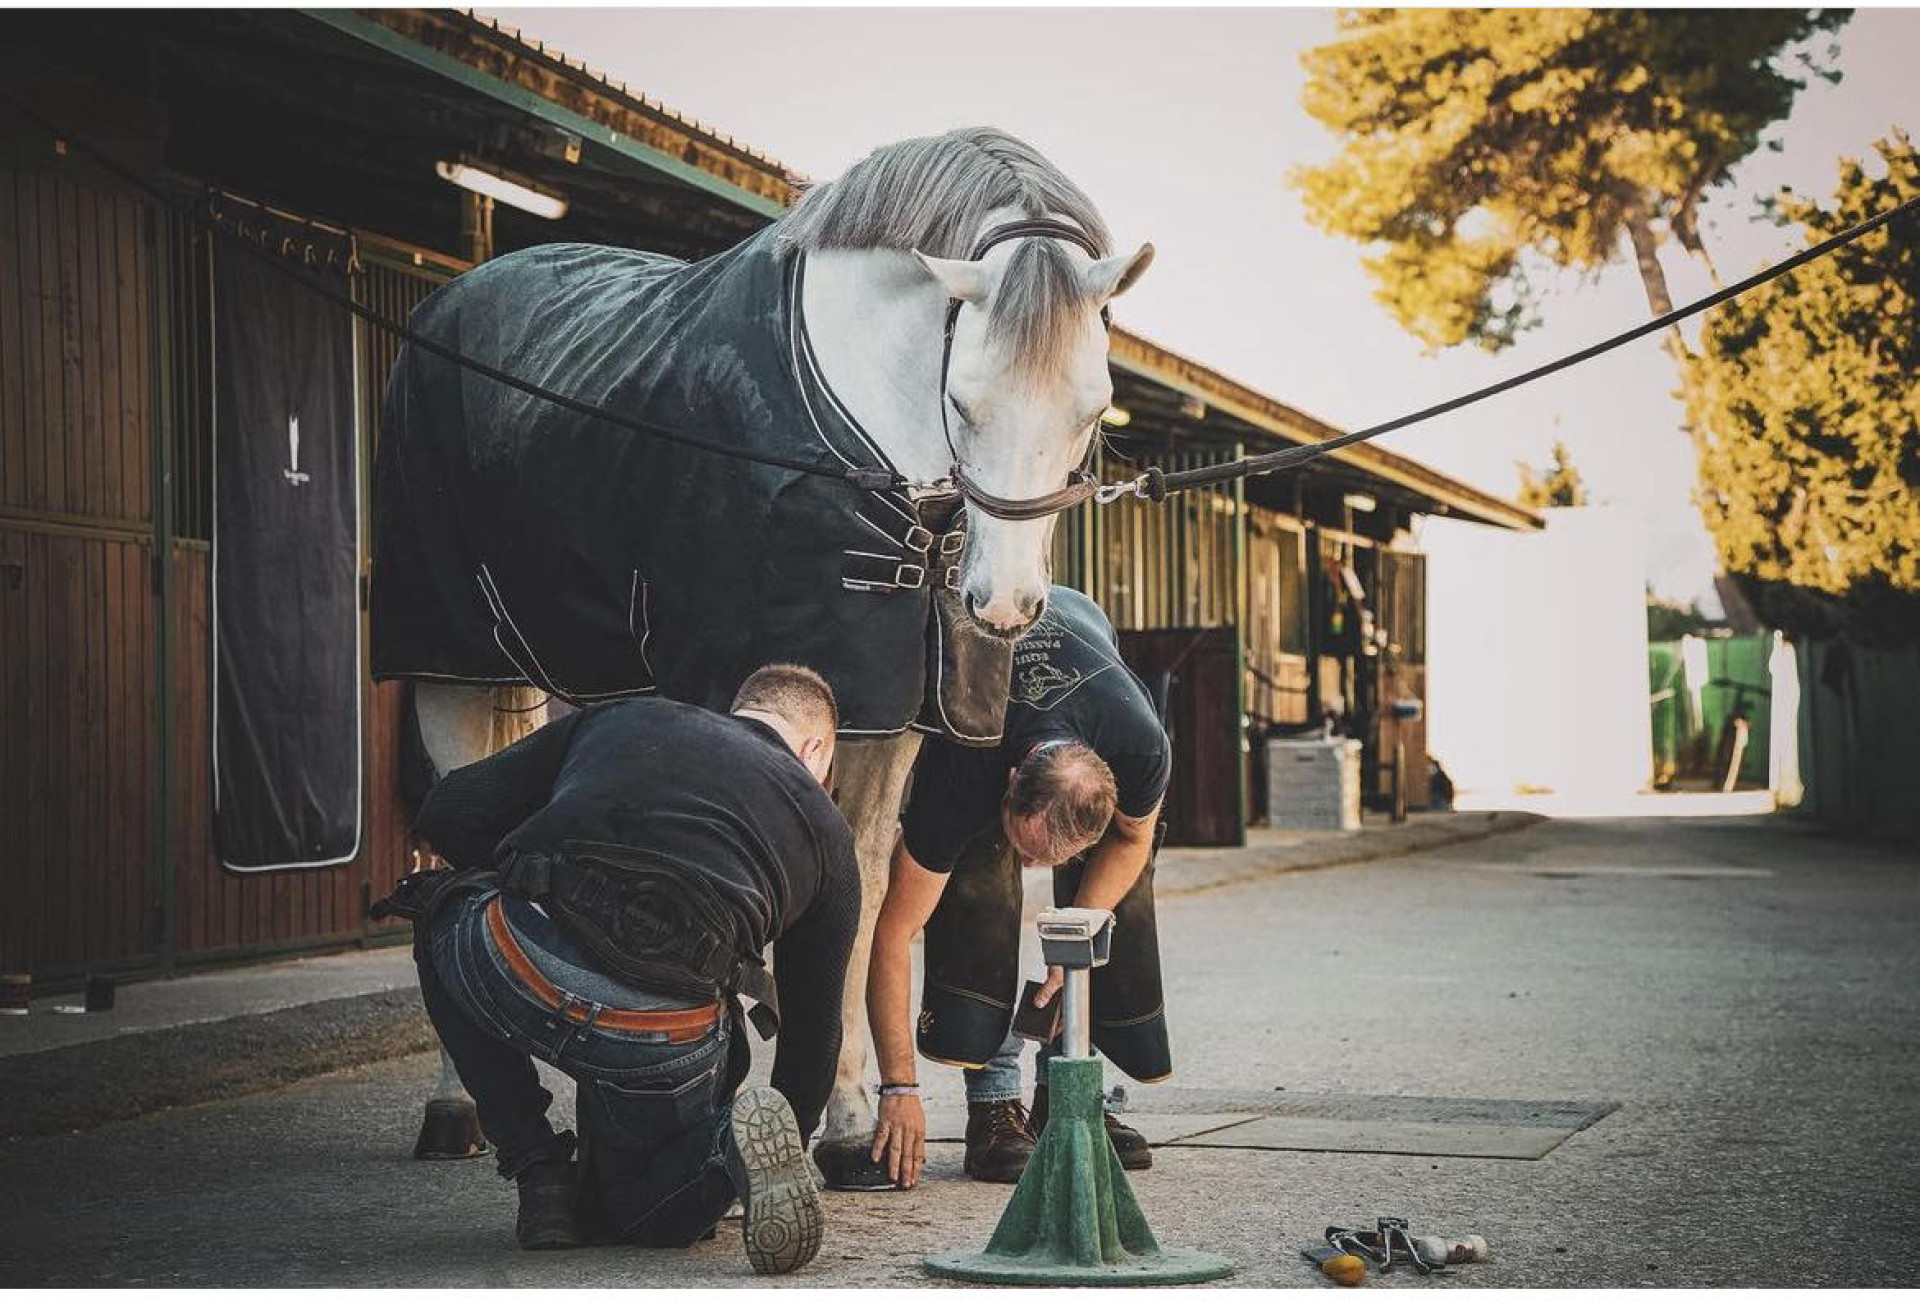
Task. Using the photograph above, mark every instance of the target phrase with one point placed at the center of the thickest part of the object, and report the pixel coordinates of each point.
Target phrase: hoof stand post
(1073, 1219)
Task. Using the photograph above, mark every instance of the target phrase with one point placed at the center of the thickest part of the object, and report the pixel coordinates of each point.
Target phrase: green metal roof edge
(365, 29)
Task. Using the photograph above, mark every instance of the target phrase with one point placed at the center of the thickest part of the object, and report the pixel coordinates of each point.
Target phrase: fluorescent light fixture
(495, 186)
(1115, 417)
(1361, 501)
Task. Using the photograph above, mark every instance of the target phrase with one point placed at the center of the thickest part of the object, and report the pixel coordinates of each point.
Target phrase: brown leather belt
(679, 1025)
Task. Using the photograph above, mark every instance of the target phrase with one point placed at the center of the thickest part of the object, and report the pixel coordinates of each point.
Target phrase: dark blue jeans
(651, 1115)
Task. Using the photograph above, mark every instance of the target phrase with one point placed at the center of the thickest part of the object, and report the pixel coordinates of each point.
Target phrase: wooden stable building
(1278, 603)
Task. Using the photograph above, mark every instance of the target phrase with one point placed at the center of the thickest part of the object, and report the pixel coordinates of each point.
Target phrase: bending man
(1075, 785)
(624, 868)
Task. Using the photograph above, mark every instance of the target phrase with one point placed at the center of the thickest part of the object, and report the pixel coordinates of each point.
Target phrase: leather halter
(1081, 484)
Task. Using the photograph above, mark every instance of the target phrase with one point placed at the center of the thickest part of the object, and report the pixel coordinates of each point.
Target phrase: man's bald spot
(1071, 790)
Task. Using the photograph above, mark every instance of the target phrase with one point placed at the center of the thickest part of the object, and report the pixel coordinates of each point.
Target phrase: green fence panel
(1860, 736)
(1738, 681)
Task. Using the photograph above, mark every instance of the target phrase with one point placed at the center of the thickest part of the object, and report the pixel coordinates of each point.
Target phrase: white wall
(1537, 654)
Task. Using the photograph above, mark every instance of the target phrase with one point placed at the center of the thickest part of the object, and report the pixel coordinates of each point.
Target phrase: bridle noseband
(1081, 484)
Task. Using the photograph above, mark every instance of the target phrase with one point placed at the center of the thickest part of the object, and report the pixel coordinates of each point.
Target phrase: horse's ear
(1110, 277)
(966, 281)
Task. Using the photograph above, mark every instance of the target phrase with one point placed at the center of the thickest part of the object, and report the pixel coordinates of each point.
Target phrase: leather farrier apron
(973, 965)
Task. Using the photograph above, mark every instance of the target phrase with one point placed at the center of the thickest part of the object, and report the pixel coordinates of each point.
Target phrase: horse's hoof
(848, 1167)
(450, 1130)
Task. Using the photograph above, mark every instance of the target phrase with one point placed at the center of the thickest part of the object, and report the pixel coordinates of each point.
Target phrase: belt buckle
(918, 539)
(900, 575)
(951, 543)
(953, 578)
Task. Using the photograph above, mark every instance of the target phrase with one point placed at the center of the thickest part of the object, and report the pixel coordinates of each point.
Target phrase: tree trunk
(1653, 277)
(1686, 231)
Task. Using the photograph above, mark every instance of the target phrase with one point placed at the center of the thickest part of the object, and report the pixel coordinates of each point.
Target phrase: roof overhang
(497, 63)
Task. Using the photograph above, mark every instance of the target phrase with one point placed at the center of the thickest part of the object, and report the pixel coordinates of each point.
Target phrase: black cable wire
(875, 480)
(1159, 483)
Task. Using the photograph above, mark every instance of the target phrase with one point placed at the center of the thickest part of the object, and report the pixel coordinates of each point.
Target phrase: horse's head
(1026, 385)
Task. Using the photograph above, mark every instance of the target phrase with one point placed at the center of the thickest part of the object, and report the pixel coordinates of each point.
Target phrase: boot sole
(781, 1221)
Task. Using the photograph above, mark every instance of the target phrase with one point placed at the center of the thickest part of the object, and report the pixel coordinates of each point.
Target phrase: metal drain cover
(1367, 1123)
(1174, 1117)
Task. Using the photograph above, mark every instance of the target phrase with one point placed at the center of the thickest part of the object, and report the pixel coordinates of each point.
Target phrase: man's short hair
(793, 692)
(1072, 790)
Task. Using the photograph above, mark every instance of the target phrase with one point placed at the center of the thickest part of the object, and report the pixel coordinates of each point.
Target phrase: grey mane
(934, 194)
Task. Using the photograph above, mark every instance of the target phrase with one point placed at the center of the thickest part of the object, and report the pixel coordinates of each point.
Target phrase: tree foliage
(1669, 621)
(1556, 485)
(1475, 136)
(1806, 393)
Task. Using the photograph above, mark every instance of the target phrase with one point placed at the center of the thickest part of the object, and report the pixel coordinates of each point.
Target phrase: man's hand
(900, 1138)
(1050, 987)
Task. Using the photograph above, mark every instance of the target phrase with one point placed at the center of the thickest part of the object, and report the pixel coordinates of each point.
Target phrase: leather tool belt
(676, 1025)
(646, 921)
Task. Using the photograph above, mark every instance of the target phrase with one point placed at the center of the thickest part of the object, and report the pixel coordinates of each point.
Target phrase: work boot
(780, 1219)
(1131, 1146)
(999, 1141)
(546, 1207)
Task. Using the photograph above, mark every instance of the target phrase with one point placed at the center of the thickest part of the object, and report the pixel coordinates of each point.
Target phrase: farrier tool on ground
(1387, 1241)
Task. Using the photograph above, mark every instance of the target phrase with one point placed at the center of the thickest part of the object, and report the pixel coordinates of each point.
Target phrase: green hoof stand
(1073, 1220)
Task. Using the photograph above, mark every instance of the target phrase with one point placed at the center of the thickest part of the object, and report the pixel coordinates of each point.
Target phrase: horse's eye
(960, 410)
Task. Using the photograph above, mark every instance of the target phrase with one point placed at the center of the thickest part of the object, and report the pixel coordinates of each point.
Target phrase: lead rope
(1155, 484)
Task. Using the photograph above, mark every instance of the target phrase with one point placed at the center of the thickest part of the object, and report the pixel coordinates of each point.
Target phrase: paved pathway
(1745, 989)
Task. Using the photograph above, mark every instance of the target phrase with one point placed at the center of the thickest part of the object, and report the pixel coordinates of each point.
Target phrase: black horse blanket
(517, 541)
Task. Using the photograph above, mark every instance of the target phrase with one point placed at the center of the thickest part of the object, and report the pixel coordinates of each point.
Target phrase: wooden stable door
(79, 886)
(1194, 674)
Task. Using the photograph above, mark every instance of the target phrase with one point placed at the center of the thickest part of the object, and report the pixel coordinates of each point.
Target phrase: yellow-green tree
(1556, 485)
(1474, 137)
(1806, 393)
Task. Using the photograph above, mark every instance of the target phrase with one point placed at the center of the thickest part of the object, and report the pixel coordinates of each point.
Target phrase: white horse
(1025, 384)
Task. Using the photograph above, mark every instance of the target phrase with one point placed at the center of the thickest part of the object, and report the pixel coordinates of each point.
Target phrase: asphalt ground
(1745, 989)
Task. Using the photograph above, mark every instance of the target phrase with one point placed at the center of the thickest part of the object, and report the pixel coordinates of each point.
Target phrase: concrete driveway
(1744, 989)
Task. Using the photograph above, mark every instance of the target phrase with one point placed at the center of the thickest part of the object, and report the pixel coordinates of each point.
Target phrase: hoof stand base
(1169, 1266)
(1073, 1218)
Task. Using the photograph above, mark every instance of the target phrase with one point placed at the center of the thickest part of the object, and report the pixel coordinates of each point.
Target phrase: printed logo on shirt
(1039, 679)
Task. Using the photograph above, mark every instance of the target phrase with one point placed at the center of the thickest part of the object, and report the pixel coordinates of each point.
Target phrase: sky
(1183, 126)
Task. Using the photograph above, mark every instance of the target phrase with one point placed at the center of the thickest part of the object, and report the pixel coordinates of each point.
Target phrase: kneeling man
(1075, 785)
(623, 869)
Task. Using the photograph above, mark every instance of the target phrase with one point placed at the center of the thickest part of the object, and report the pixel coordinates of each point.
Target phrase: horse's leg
(871, 777)
(458, 725)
